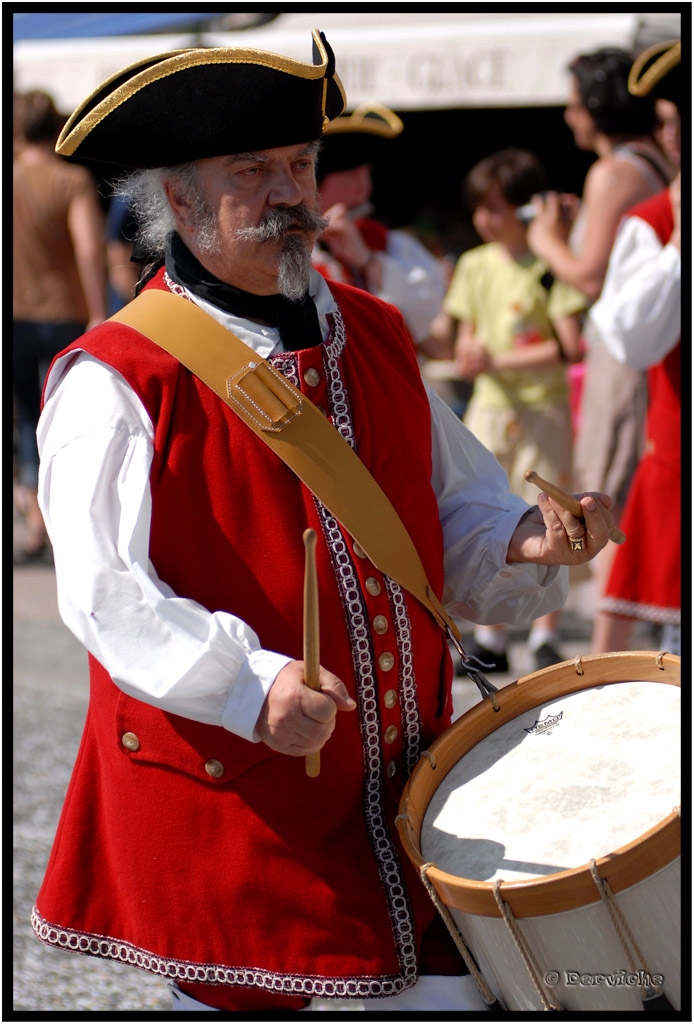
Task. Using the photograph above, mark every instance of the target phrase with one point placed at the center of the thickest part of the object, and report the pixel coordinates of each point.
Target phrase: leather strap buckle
(264, 395)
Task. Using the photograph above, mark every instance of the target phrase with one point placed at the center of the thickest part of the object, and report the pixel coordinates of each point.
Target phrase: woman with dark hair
(620, 129)
(601, 78)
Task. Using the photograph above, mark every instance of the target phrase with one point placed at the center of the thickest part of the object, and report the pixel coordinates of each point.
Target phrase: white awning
(426, 61)
(407, 60)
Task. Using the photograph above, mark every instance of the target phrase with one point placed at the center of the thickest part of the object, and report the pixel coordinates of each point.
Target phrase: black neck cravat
(297, 320)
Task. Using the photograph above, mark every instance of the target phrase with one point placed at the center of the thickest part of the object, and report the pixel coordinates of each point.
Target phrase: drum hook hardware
(472, 667)
(659, 659)
(523, 947)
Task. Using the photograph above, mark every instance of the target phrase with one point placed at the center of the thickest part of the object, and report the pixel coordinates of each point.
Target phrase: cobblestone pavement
(50, 696)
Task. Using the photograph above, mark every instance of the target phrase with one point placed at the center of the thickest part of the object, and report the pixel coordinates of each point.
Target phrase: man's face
(236, 239)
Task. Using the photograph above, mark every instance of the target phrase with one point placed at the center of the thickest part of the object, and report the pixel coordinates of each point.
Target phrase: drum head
(569, 780)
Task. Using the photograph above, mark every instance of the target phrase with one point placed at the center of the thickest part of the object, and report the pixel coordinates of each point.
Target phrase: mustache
(279, 222)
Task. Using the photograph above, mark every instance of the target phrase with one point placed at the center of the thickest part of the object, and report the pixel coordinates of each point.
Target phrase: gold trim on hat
(671, 55)
(62, 147)
(79, 125)
(368, 118)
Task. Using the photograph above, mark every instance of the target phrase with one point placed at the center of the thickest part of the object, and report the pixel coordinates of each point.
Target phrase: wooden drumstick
(568, 502)
(311, 634)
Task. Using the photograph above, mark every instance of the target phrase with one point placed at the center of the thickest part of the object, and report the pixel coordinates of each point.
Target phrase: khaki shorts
(526, 438)
(609, 444)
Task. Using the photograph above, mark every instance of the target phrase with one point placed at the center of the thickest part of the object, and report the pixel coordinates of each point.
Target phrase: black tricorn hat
(190, 104)
(658, 71)
(358, 138)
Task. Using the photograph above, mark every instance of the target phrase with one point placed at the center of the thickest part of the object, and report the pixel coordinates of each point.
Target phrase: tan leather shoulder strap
(293, 427)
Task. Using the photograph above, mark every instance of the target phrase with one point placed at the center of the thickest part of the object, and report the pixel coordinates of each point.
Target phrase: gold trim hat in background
(357, 138)
(657, 71)
(191, 104)
(368, 119)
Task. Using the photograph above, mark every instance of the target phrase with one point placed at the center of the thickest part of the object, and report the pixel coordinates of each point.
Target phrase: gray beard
(294, 268)
(294, 274)
(294, 271)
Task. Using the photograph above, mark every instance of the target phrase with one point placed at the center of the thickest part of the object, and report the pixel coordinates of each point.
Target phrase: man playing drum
(193, 844)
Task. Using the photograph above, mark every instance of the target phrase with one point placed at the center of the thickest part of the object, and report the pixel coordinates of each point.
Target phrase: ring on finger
(576, 544)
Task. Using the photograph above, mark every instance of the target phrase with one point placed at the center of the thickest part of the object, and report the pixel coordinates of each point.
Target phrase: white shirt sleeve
(479, 515)
(413, 280)
(96, 444)
(638, 314)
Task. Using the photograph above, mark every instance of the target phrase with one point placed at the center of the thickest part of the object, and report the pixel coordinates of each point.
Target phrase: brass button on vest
(312, 377)
(386, 661)
(130, 741)
(391, 734)
(359, 551)
(392, 769)
(390, 698)
(373, 586)
(215, 769)
(381, 624)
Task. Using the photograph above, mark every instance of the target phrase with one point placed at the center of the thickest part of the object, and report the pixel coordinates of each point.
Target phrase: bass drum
(548, 835)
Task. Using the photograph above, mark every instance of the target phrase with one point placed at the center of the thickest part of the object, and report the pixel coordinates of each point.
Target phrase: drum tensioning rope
(486, 994)
(523, 947)
(493, 1005)
(653, 999)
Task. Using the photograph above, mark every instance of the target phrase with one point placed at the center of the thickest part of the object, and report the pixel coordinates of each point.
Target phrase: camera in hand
(528, 211)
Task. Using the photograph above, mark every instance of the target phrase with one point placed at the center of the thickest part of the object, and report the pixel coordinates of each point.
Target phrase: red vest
(663, 422)
(645, 580)
(260, 876)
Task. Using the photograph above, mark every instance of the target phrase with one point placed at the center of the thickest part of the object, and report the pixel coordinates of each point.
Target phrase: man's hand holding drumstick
(552, 534)
(300, 710)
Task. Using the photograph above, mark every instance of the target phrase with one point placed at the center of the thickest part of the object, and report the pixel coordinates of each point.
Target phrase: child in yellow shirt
(516, 329)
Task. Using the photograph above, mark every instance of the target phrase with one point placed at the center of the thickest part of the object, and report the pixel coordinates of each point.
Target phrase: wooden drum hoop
(566, 890)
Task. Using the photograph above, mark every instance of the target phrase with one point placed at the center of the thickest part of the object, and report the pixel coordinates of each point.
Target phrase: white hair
(146, 195)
